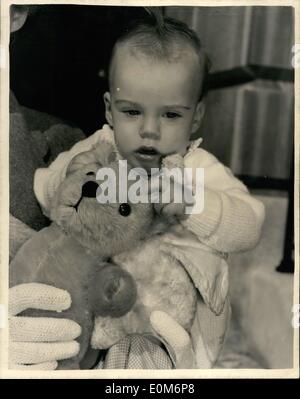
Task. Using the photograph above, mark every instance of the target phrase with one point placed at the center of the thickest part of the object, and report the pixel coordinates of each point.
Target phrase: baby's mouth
(148, 153)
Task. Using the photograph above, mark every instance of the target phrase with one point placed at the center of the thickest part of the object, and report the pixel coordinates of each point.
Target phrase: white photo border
(4, 207)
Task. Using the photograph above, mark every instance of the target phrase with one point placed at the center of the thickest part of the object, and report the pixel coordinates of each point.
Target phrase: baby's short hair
(160, 38)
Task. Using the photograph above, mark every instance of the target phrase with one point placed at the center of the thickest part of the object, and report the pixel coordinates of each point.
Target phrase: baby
(157, 84)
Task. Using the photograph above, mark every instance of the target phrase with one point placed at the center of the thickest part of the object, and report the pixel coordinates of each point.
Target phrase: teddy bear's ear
(112, 157)
(212, 281)
(105, 153)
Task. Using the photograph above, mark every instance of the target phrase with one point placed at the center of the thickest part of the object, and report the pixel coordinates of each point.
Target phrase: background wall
(58, 60)
(249, 123)
(59, 65)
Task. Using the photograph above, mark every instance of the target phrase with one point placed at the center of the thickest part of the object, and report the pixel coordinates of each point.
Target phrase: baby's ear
(108, 113)
(198, 116)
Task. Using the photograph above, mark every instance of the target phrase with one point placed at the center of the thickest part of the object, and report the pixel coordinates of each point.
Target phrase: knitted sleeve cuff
(205, 223)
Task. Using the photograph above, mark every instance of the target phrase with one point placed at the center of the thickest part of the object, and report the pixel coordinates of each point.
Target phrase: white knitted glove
(177, 340)
(39, 342)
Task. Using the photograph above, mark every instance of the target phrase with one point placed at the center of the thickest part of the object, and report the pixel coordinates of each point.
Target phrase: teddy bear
(95, 251)
(73, 253)
(162, 281)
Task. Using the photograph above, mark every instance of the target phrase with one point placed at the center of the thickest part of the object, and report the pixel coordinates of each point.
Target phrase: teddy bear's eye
(90, 174)
(125, 209)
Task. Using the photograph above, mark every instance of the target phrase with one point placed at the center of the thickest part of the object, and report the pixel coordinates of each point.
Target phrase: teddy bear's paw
(107, 332)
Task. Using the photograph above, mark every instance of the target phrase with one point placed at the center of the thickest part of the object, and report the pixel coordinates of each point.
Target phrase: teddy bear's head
(104, 228)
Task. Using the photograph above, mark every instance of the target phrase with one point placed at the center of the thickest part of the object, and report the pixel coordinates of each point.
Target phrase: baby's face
(153, 106)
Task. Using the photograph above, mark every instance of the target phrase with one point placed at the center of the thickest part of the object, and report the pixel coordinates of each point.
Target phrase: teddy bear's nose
(89, 189)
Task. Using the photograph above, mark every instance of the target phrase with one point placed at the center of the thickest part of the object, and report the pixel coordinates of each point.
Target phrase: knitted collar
(107, 134)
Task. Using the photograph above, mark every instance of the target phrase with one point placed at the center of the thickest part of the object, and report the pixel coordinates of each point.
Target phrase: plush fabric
(19, 234)
(70, 255)
(162, 284)
(33, 145)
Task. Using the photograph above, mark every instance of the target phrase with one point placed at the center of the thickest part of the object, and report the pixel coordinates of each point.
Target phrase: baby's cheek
(124, 146)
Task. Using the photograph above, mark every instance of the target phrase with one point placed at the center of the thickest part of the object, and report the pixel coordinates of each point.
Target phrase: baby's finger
(173, 161)
(42, 329)
(171, 210)
(38, 366)
(37, 296)
(33, 353)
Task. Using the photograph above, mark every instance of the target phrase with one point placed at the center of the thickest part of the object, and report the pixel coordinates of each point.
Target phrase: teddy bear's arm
(24, 266)
(107, 331)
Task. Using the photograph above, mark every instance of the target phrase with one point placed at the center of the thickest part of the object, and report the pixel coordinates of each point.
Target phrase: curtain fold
(249, 126)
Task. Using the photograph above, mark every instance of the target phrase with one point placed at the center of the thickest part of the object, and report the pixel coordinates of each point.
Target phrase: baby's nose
(150, 129)
(89, 189)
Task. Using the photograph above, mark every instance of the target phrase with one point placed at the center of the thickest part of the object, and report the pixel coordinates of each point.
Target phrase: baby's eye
(172, 115)
(131, 112)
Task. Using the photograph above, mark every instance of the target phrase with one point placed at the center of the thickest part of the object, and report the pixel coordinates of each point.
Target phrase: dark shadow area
(59, 59)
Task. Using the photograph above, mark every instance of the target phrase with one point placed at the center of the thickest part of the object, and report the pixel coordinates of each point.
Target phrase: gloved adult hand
(177, 339)
(39, 342)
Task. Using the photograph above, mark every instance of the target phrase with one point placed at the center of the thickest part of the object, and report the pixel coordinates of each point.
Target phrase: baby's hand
(173, 212)
(173, 161)
(175, 193)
